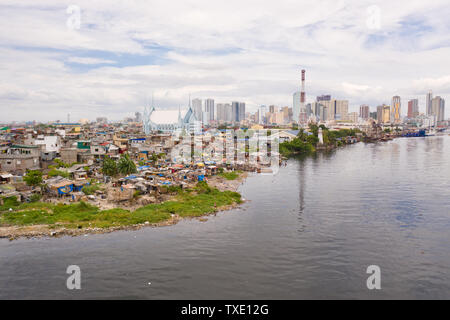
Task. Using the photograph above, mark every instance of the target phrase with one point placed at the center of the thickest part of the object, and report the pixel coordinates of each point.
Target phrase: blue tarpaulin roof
(130, 177)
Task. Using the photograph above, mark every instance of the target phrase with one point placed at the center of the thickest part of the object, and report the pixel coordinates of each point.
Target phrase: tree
(126, 165)
(109, 167)
(33, 178)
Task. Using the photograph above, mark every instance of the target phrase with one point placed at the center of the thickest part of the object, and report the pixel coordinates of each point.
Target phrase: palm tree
(109, 167)
(126, 165)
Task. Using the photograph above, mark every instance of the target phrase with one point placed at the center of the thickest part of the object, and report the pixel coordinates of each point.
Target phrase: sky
(107, 58)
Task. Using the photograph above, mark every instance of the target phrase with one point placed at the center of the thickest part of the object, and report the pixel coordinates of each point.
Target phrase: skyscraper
(341, 109)
(438, 108)
(296, 106)
(364, 112)
(262, 114)
(324, 97)
(396, 110)
(241, 111)
(197, 108)
(209, 108)
(380, 114)
(386, 118)
(428, 101)
(413, 108)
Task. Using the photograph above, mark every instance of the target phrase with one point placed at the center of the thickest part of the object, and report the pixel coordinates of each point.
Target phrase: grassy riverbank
(197, 202)
(307, 142)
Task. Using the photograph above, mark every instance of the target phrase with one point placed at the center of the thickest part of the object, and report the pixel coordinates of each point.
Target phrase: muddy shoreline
(39, 231)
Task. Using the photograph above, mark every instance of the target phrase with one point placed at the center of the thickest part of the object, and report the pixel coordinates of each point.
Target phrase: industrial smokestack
(302, 113)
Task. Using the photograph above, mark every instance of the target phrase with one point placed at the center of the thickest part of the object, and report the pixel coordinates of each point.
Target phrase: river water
(310, 231)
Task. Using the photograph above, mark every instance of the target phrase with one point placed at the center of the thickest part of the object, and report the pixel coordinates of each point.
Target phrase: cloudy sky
(108, 62)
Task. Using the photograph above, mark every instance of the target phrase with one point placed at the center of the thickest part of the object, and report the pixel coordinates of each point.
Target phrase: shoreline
(50, 231)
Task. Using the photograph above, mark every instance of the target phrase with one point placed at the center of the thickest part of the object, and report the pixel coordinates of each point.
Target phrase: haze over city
(250, 51)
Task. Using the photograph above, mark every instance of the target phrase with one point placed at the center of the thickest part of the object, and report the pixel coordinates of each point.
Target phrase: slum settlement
(69, 178)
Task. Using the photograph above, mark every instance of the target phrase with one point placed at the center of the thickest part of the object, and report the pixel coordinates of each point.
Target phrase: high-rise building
(209, 107)
(272, 109)
(241, 111)
(323, 98)
(262, 114)
(374, 115)
(341, 109)
(380, 114)
(438, 108)
(413, 108)
(238, 111)
(228, 112)
(386, 118)
(364, 112)
(197, 108)
(428, 102)
(396, 110)
(221, 113)
(296, 106)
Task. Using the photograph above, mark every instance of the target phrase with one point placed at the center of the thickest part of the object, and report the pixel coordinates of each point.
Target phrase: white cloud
(235, 50)
(84, 60)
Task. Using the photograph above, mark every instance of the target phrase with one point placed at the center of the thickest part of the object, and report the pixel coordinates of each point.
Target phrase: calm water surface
(308, 232)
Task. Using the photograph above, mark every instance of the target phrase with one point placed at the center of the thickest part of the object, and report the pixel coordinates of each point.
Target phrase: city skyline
(120, 54)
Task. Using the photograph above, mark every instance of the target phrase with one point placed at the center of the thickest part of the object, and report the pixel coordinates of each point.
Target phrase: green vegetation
(90, 189)
(125, 165)
(193, 203)
(61, 173)
(306, 143)
(35, 197)
(33, 178)
(232, 175)
(61, 164)
(109, 167)
(302, 144)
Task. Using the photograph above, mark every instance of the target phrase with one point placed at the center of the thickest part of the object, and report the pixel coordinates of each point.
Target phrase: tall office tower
(308, 110)
(296, 106)
(272, 109)
(364, 112)
(374, 115)
(386, 114)
(241, 111)
(323, 98)
(428, 101)
(438, 108)
(262, 114)
(235, 111)
(285, 111)
(209, 107)
(442, 110)
(324, 113)
(413, 108)
(341, 109)
(228, 112)
(380, 114)
(396, 110)
(197, 108)
(221, 112)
